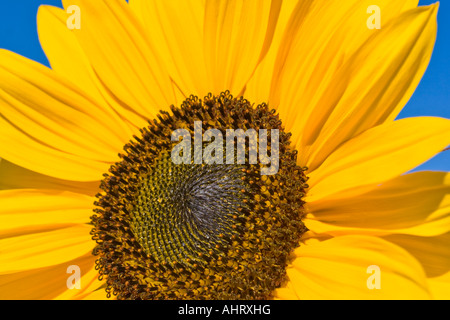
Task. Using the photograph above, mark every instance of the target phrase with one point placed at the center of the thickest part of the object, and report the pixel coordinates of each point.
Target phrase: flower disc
(198, 231)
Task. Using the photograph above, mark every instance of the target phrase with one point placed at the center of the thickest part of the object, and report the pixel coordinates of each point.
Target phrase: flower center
(170, 230)
(183, 212)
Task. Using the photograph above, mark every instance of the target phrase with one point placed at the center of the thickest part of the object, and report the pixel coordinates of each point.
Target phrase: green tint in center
(198, 231)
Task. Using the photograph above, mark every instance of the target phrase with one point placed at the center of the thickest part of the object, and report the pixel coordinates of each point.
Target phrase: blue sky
(18, 33)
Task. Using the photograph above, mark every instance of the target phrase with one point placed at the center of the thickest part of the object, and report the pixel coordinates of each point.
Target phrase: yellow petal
(66, 57)
(379, 154)
(38, 250)
(416, 204)
(377, 81)
(311, 53)
(64, 133)
(43, 283)
(340, 268)
(16, 177)
(98, 294)
(209, 46)
(432, 252)
(291, 17)
(126, 63)
(33, 94)
(31, 211)
(286, 293)
(87, 284)
(440, 287)
(46, 160)
(237, 36)
(63, 51)
(176, 30)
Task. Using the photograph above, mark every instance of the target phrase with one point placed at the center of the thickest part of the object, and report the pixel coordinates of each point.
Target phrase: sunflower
(87, 184)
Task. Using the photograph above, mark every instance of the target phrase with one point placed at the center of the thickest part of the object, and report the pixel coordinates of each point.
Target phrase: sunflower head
(203, 228)
(198, 231)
